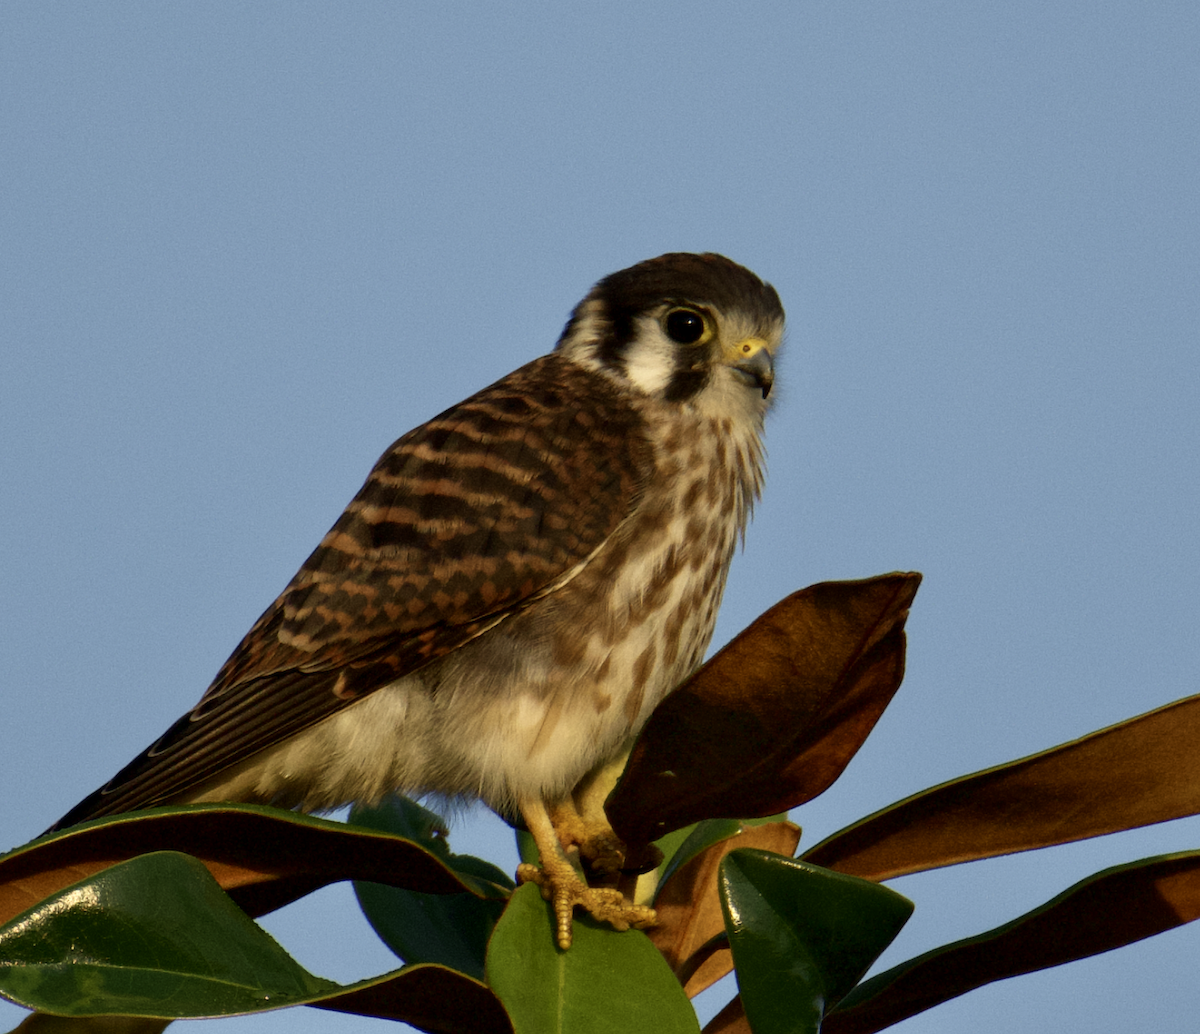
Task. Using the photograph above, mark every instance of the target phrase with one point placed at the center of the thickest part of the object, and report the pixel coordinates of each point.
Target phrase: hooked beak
(750, 358)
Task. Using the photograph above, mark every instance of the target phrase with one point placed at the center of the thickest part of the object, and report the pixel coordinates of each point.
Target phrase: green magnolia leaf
(157, 937)
(526, 847)
(154, 936)
(801, 936)
(608, 981)
(405, 818)
(450, 929)
(1128, 775)
(1107, 910)
(262, 857)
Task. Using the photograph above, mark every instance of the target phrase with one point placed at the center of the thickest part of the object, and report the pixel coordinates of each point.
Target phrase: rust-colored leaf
(428, 997)
(773, 718)
(1133, 774)
(263, 858)
(730, 1020)
(689, 906)
(45, 1023)
(1105, 911)
(431, 998)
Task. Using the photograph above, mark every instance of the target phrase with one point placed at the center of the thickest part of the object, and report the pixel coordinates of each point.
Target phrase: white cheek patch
(650, 359)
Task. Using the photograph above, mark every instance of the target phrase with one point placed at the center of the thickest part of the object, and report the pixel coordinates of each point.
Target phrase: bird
(516, 586)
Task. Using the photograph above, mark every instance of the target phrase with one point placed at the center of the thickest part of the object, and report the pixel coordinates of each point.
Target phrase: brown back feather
(462, 522)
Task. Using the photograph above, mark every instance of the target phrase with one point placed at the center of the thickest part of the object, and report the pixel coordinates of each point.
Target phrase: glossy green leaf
(608, 981)
(156, 936)
(1107, 910)
(801, 936)
(449, 929)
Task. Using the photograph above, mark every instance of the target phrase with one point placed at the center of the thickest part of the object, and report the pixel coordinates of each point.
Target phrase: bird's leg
(581, 820)
(563, 885)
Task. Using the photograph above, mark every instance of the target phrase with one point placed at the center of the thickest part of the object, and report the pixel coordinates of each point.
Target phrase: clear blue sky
(244, 247)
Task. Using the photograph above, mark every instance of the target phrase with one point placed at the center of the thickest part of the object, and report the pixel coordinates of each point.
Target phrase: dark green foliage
(450, 929)
(156, 936)
(802, 936)
(608, 981)
(149, 914)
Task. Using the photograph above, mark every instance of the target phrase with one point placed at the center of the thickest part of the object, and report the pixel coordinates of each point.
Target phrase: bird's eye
(684, 326)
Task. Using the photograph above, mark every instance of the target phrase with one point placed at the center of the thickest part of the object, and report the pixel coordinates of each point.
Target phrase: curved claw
(564, 887)
(565, 890)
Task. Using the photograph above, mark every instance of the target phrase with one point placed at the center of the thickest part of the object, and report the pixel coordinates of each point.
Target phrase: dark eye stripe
(684, 384)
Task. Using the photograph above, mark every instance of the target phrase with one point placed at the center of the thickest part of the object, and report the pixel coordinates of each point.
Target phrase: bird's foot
(560, 844)
(600, 849)
(562, 885)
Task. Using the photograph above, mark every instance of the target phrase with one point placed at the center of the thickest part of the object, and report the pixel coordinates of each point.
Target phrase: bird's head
(682, 328)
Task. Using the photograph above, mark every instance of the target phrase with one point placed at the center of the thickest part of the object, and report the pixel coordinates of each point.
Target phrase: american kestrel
(516, 586)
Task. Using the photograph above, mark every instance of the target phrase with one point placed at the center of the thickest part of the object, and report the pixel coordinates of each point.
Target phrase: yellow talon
(563, 886)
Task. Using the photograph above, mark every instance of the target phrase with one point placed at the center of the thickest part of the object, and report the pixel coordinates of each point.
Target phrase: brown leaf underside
(730, 1020)
(264, 859)
(821, 665)
(1133, 774)
(431, 998)
(689, 906)
(773, 719)
(1119, 907)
